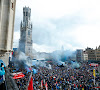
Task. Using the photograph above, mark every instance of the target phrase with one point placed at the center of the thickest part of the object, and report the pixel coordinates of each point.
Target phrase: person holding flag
(41, 84)
(46, 86)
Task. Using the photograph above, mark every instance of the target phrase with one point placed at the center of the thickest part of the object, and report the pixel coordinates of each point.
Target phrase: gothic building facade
(7, 18)
(25, 42)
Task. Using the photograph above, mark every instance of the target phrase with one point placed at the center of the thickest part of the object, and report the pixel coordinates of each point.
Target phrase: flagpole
(94, 75)
(94, 80)
(29, 80)
(56, 84)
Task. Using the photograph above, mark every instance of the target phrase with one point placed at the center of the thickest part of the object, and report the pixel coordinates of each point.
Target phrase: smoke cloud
(41, 63)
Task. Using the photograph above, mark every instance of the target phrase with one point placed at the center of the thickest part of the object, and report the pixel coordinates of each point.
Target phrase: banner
(94, 72)
(94, 64)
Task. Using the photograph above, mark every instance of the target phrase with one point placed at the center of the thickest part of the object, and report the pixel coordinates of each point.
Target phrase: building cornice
(4, 50)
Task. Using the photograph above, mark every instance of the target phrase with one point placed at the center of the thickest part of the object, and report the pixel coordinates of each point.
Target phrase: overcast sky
(73, 24)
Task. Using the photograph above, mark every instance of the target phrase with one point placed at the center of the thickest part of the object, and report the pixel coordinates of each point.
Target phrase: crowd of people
(66, 78)
(60, 78)
(23, 82)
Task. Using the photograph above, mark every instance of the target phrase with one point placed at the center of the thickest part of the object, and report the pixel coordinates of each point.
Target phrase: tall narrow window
(26, 13)
(12, 5)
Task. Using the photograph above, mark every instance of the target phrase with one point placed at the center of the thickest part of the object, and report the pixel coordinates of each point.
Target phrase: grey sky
(71, 23)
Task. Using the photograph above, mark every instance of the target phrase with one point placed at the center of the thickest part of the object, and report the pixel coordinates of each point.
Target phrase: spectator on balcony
(2, 73)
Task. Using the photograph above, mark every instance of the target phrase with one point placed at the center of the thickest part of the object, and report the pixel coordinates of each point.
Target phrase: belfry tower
(25, 42)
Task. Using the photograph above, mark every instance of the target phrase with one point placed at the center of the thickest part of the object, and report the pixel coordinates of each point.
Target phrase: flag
(30, 87)
(10, 56)
(54, 78)
(94, 72)
(18, 75)
(41, 84)
(83, 88)
(96, 87)
(56, 85)
(74, 85)
(46, 86)
(80, 85)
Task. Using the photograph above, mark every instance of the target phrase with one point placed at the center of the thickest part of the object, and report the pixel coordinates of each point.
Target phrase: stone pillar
(7, 18)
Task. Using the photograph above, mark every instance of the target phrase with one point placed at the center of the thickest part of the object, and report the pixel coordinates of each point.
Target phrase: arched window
(24, 13)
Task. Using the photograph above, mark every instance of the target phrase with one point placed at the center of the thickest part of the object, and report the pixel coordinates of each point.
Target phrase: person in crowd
(2, 77)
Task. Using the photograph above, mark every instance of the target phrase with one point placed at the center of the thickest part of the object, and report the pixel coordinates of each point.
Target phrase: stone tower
(25, 42)
(7, 18)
